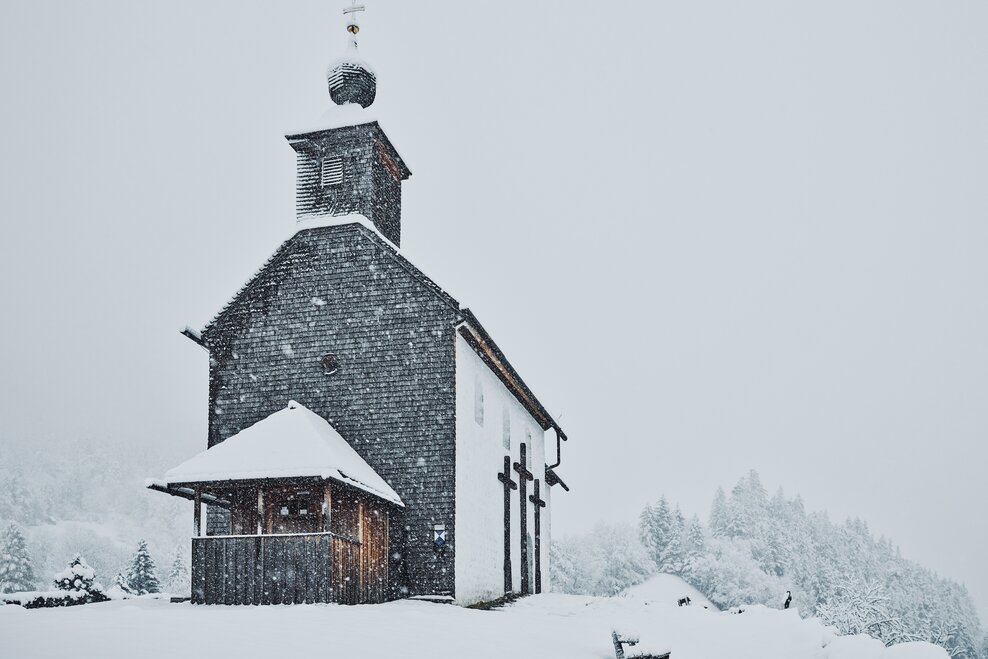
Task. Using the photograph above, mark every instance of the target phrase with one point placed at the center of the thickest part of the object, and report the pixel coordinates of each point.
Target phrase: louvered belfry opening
(350, 170)
(332, 171)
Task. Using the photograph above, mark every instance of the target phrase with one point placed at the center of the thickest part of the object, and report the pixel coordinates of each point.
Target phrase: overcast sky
(712, 236)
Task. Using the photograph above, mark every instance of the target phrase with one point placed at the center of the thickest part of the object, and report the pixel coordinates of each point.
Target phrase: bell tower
(348, 165)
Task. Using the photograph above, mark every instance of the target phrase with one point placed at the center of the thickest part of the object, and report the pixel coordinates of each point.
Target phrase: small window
(295, 512)
(478, 401)
(506, 429)
(528, 452)
(332, 171)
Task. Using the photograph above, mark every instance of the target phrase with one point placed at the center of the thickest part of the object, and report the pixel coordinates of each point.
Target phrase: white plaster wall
(479, 520)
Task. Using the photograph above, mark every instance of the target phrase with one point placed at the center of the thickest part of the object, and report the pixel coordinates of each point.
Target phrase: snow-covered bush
(729, 576)
(75, 585)
(78, 576)
(603, 562)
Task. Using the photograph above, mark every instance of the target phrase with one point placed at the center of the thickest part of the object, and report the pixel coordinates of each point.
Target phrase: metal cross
(351, 12)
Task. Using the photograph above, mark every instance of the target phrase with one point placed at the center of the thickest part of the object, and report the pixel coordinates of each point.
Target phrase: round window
(330, 364)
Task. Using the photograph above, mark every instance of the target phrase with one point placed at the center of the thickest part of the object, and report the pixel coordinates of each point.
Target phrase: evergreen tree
(647, 529)
(141, 575)
(656, 525)
(695, 540)
(566, 575)
(178, 574)
(16, 571)
(120, 581)
(673, 556)
(718, 514)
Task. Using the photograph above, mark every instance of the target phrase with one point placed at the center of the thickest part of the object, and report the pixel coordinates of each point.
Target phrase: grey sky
(712, 236)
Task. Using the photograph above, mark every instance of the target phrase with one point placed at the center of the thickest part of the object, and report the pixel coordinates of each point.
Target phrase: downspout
(560, 438)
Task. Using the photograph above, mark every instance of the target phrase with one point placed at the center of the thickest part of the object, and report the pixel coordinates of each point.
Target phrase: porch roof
(291, 443)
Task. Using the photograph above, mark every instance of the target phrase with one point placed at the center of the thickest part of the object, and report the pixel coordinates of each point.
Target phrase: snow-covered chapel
(367, 439)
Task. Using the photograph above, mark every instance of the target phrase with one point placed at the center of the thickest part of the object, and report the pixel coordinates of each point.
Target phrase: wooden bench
(620, 641)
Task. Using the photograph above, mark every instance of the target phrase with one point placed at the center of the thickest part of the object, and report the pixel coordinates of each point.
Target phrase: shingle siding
(371, 178)
(338, 289)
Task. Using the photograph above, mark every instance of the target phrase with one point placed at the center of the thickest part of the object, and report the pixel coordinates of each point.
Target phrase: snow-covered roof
(338, 116)
(291, 443)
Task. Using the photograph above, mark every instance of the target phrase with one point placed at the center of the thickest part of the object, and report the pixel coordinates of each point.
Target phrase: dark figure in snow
(788, 599)
(685, 601)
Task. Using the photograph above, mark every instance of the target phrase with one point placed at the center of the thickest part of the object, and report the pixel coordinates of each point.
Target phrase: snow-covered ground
(666, 589)
(545, 626)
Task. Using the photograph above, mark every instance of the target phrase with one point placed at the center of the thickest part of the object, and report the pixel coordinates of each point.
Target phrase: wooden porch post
(260, 509)
(327, 507)
(197, 513)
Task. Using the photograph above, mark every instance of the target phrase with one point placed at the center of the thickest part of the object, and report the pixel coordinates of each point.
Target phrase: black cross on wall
(505, 478)
(536, 498)
(524, 476)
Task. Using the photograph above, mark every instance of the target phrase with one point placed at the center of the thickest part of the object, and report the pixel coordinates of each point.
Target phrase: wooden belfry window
(332, 171)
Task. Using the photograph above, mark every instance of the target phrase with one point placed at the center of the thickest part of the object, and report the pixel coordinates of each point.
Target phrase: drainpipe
(560, 438)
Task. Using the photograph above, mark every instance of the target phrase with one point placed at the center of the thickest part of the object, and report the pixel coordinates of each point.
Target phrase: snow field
(547, 626)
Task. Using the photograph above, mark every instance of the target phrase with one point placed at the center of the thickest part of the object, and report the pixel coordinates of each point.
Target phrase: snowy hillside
(666, 589)
(542, 627)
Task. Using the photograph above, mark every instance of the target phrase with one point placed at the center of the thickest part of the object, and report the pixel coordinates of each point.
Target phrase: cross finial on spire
(351, 15)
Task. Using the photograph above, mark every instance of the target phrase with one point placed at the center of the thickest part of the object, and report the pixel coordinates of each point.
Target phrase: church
(368, 440)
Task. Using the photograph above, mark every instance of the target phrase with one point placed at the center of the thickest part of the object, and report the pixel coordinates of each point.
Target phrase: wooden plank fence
(279, 569)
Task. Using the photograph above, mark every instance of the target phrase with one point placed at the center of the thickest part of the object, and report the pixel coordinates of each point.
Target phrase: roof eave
(508, 374)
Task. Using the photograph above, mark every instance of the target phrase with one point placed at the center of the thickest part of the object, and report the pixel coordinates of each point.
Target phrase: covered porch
(308, 518)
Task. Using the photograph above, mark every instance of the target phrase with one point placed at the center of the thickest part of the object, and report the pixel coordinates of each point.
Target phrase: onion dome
(352, 80)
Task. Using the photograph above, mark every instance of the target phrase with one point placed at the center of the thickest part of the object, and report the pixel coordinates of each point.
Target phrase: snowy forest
(755, 547)
(86, 499)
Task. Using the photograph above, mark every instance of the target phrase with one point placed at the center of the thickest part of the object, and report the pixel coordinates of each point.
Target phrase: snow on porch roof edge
(293, 442)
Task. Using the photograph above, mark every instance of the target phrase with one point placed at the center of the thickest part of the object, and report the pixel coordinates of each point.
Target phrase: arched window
(330, 363)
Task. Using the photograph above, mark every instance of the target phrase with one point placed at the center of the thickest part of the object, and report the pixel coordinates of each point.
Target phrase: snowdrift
(544, 626)
(666, 589)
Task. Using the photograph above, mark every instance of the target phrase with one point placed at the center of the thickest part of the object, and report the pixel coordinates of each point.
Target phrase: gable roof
(294, 442)
(477, 337)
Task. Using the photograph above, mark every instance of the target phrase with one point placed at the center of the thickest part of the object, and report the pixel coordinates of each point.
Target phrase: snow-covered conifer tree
(695, 545)
(718, 513)
(178, 574)
(656, 525)
(16, 571)
(142, 575)
(120, 581)
(673, 556)
(566, 572)
(694, 536)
